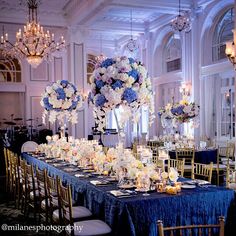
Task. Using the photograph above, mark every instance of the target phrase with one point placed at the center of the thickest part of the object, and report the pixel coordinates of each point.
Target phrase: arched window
(10, 70)
(172, 54)
(222, 34)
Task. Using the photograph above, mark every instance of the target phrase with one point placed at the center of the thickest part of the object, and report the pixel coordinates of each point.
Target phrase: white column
(77, 74)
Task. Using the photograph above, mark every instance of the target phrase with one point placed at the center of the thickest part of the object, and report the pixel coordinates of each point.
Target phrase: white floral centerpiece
(61, 100)
(120, 82)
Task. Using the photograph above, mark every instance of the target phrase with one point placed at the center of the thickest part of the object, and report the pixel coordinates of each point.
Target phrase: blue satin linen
(137, 216)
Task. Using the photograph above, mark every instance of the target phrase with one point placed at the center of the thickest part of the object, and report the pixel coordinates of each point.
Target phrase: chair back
(202, 170)
(187, 153)
(231, 178)
(66, 204)
(41, 176)
(177, 164)
(191, 229)
(30, 179)
(29, 146)
(53, 190)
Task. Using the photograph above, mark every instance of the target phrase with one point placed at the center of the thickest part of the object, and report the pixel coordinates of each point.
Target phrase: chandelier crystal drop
(182, 22)
(132, 44)
(33, 44)
(101, 57)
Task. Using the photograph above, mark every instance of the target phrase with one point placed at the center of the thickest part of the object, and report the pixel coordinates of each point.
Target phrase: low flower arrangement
(181, 112)
(120, 82)
(61, 100)
(184, 111)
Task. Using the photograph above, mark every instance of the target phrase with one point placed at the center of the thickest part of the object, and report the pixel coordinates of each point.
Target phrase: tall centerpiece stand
(120, 85)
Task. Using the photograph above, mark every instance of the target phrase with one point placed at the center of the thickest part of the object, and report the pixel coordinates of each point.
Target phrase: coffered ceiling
(109, 18)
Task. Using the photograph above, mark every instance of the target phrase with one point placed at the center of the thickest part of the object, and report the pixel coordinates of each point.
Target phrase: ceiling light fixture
(182, 22)
(33, 43)
(132, 44)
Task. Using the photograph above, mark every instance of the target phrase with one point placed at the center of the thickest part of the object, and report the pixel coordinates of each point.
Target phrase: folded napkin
(118, 193)
(79, 175)
(99, 182)
(69, 169)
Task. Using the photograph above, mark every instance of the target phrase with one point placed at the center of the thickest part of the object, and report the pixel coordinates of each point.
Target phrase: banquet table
(137, 215)
(201, 156)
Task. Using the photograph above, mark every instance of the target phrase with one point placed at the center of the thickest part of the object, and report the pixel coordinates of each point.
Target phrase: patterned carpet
(11, 216)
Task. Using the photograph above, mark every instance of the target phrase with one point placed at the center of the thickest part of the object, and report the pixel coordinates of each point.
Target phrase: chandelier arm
(13, 46)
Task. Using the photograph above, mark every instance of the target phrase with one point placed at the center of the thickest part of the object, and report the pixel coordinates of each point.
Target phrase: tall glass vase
(121, 134)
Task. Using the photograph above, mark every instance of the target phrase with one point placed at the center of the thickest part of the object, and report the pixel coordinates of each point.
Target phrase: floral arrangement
(184, 111)
(61, 101)
(180, 112)
(124, 82)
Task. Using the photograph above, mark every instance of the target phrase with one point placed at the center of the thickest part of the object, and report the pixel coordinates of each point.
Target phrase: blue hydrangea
(117, 84)
(60, 93)
(131, 60)
(99, 83)
(47, 105)
(74, 105)
(107, 62)
(129, 95)
(177, 110)
(100, 100)
(134, 73)
(64, 83)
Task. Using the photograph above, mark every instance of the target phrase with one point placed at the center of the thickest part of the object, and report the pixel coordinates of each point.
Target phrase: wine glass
(146, 186)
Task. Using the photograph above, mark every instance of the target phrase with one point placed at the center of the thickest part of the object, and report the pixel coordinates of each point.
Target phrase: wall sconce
(230, 50)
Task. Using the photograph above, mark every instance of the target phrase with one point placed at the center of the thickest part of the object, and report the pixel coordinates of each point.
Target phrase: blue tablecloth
(137, 216)
(204, 157)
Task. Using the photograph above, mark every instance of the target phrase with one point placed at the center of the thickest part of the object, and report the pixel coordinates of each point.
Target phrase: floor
(11, 216)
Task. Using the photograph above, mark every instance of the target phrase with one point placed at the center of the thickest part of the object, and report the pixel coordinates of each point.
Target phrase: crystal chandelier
(230, 50)
(182, 22)
(132, 44)
(33, 44)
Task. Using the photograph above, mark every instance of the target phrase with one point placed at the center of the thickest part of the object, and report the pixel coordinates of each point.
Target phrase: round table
(201, 156)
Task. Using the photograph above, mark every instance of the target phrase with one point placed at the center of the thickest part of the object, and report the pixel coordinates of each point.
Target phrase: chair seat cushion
(90, 227)
(54, 203)
(232, 186)
(36, 194)
(77, 213)
(187, 167)
(221, 166)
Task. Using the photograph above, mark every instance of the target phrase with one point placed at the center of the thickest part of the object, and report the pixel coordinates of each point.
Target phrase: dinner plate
(186, 186)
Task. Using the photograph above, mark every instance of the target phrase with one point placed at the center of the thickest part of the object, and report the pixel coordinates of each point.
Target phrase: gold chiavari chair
(7, 168)
(188, 154)
(23, 185)
(156, 160)
(202, 171)
(53, 188)
(219, 168)
(85, 227)
(231, 178)
(188, 229)
(77, 212)
(31, 187)
(42, 193)
(177, 164)
(13, 175)
(227, 154)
